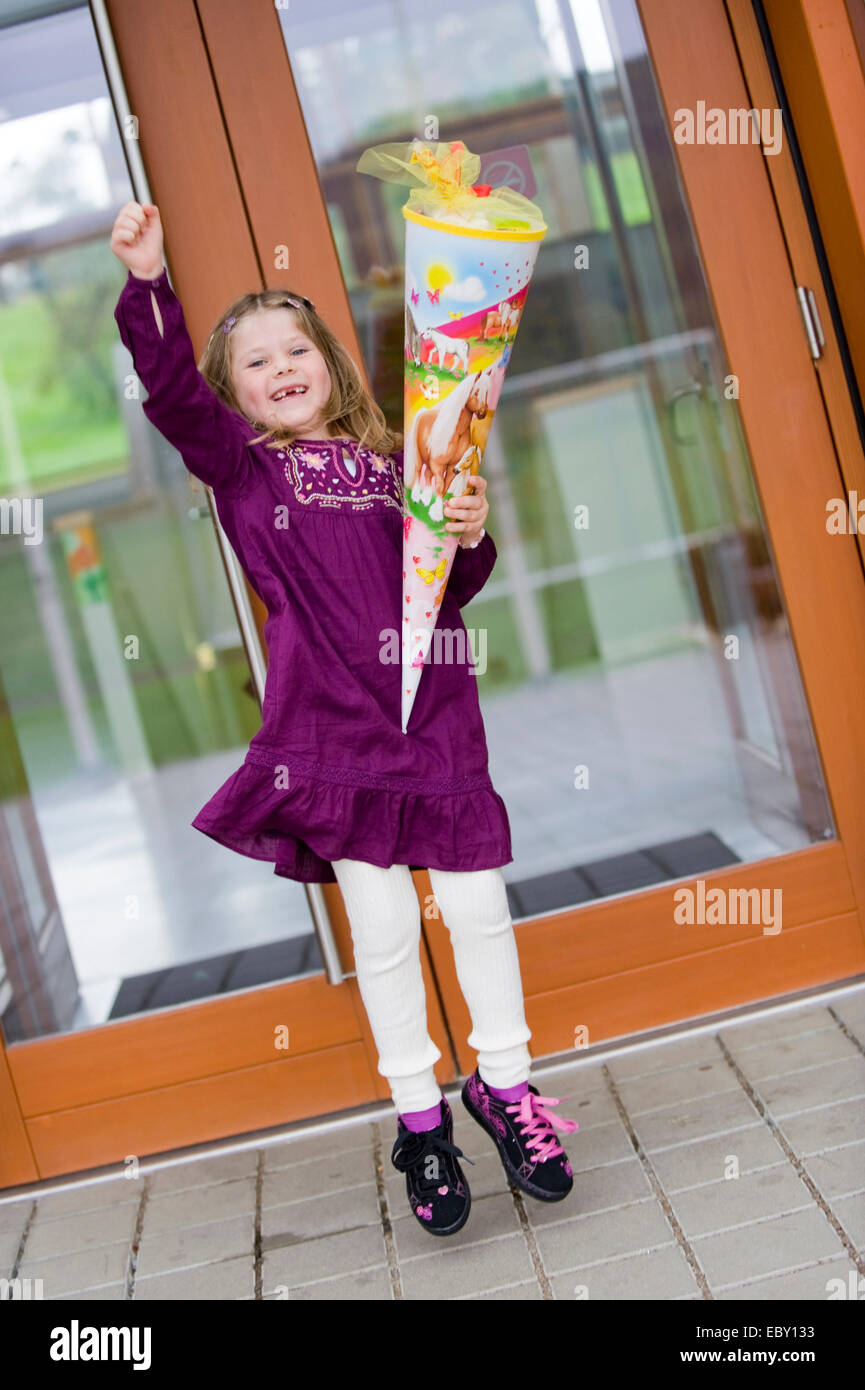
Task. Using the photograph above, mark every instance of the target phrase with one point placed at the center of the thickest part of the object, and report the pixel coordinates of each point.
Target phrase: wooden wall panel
(212, 1107)
(701, 983)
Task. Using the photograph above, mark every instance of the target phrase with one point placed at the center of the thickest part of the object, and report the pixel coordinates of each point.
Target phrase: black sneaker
(437, 1190)
(522, 1131)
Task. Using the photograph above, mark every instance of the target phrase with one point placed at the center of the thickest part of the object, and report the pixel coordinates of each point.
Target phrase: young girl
(308, 485)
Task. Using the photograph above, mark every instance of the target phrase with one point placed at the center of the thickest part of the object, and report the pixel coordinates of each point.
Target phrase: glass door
(647, 626)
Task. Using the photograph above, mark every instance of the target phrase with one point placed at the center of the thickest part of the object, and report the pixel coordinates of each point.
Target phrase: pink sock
(419, 1120)
(510, 1093)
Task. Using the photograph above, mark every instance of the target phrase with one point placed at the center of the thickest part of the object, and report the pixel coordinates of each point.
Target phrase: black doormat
(202, 979)
(696, 854)
(281, 960)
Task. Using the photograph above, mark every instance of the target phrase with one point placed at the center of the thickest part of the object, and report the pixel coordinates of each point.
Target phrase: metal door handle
(693, 388)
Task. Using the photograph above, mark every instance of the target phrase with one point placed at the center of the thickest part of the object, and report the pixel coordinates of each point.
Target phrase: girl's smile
(279, 375)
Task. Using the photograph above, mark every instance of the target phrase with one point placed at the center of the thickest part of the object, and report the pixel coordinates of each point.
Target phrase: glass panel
(644, 710)
(112, 902)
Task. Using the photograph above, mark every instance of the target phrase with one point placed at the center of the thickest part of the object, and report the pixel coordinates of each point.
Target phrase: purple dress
(330, 774)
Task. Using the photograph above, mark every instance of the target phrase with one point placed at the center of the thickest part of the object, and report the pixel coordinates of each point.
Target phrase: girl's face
(279, 375)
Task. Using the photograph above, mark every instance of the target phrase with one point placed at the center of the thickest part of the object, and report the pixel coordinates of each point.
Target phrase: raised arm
(210, 437)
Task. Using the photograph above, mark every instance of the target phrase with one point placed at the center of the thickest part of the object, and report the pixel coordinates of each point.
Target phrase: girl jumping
(308, 482)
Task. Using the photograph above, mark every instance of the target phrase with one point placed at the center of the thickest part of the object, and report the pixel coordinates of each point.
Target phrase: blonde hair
(349, 410)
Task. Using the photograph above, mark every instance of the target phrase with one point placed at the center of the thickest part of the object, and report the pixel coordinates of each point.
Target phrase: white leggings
(384, 915)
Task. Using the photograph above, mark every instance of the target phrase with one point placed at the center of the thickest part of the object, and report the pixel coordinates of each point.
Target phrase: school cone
(465, 292)
(469, 258)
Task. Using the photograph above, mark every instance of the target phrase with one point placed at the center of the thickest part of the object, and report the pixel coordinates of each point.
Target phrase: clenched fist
(136, 239)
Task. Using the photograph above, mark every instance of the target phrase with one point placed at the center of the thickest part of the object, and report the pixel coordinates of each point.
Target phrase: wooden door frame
(181, 1076)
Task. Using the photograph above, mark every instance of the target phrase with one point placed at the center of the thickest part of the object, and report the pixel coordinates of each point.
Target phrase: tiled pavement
(721, 1165)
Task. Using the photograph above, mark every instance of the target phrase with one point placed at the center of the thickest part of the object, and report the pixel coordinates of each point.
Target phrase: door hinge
(811, 320)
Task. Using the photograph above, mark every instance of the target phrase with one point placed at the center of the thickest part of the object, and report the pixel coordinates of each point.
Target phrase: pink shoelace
(533, 1119)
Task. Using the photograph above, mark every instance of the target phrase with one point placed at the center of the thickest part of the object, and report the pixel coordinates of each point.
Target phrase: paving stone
(86, 1269)
(665, 1056)
(201, 1172)
(517, 1293)
(648, 1093)
(92, 1197)
(568, 1245)
(371, 1285)
(830, 1127)
(195, 1245)
(333, 1173)
(817, 1087)
(788, 1055)
(489, 1217)
(698, 1118)
(106, 1294)
(343, 1253)
(339, 1211)
(197, 1206)
(309, 1149)
(840, 1172)
(13, 1216)
(807, 1283)
(731, 1202)
(850, 1211)
(776, 1246)
(856, 1026)
(65, 1234)
(596, 1145)
(658, 1275)
(850, 1007)
(224, 1279)
(783, 1025)
(9, 1243)
(386, 1134)
(708, 1160)
(469, 1268)
(596, 1107)
(595, 1189)
(570, 1082)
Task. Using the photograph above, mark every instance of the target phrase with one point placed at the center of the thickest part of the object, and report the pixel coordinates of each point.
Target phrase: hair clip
(229, 324)
(303, 303)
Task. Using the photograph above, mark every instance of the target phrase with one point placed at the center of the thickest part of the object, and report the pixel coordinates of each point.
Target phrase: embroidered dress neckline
(334, 440)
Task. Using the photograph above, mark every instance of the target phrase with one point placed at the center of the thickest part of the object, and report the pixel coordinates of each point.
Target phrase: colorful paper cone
(470, 255)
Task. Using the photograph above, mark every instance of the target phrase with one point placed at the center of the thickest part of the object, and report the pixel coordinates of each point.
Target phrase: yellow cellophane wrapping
(440, 177)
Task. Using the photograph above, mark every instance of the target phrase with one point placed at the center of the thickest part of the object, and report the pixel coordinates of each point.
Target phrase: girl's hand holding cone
(469, 512)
